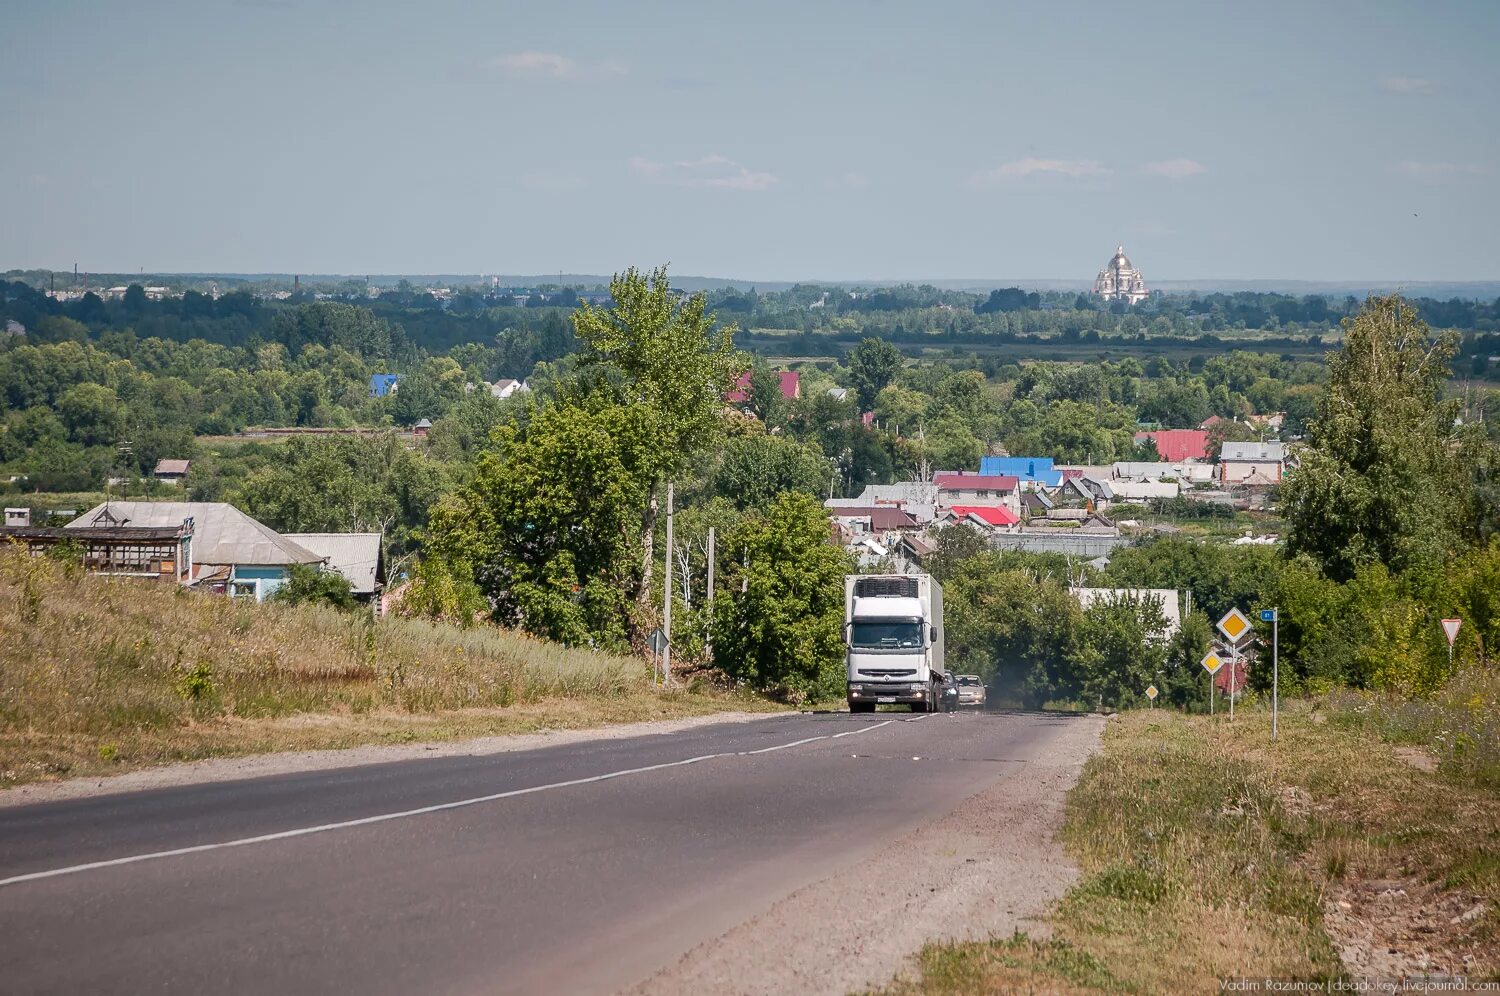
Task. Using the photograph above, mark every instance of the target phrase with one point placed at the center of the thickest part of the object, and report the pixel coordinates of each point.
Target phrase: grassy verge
(1207, 852)
(99, 674)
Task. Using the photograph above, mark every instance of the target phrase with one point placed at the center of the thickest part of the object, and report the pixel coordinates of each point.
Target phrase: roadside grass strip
(1209, 853)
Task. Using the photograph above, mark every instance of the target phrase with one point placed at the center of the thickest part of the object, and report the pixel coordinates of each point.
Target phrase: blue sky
(771, 140)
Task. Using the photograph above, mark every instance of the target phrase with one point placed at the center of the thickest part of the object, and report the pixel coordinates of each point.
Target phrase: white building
(1252, 463)
(1168, 598)
(1120, 281)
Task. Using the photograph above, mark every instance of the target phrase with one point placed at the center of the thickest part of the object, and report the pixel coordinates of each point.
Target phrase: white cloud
(552, 66)
(1022, 168)
(1408, 84)
(712, 171)
(854, 180)
(1175, 169)
(1437, 170)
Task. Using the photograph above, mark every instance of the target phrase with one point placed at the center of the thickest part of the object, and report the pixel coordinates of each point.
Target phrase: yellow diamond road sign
(1234, 625)
(1150, 691)
(1212, 662)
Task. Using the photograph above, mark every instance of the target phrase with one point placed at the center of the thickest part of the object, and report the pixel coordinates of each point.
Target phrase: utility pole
(666, 607)
(708, 595)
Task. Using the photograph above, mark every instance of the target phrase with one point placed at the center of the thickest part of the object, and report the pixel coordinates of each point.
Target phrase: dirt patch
(1418, 758)
(1399, 927)
(221, 769)
(989, 868)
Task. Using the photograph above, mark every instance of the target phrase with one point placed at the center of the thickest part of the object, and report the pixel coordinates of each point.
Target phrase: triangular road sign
(1450, 627)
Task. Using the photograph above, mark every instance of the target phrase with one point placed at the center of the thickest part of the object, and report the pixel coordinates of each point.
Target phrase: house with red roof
(963, 487)
(1176, 445)
(790, 382)
(988, 518)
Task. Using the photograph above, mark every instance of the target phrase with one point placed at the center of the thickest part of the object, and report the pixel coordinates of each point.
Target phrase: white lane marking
(403, 814)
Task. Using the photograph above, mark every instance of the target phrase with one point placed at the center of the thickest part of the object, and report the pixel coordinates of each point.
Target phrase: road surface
(584, 867)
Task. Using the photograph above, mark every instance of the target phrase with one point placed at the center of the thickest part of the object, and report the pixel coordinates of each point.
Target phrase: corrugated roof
(995, 516)
(960, 480)
(165, 466)
(354, 555)
(1178, 444)
(1270, 452)
(222, 534)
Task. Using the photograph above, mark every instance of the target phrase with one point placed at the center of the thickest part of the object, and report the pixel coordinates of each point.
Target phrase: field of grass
(99, 674)
(1208, 852)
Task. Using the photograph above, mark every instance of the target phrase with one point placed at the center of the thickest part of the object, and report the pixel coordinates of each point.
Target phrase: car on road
(971, 691)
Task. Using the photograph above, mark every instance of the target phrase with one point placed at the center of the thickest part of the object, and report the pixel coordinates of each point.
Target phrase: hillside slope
(100, 673)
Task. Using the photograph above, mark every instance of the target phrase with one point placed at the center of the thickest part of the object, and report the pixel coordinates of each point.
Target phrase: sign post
(657, 642)
(1211, 663)
(1234, 626)
(1151, 695)
(1450, 630)
(1273, 616)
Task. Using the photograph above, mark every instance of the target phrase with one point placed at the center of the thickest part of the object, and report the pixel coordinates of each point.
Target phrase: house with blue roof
(383, 385)
(1031, 470)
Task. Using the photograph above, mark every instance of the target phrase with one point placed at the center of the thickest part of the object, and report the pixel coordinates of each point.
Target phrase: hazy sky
(770, 140)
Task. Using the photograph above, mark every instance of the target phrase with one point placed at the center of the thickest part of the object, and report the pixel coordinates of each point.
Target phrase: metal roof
(357, 556)
(1269, 452)
(222, 534)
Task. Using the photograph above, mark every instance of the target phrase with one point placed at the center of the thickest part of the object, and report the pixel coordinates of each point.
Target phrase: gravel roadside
(989, 868)
(224, 769)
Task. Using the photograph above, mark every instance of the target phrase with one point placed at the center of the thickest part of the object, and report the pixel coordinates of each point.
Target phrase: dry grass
(98, 673)
(1207, 852)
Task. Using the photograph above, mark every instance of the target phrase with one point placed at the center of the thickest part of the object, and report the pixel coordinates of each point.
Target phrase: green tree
(548, 526)
(779, 625)
(872, 365)
(667, 358)
(757, 466)
(314, 586)
(1381, 481)
(1122, 647)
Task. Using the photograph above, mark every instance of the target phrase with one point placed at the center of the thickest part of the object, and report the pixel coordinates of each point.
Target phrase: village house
(1032, 472)
(226, 551)
(506, 387)
(1252, 464)
(360, 557)
(985, 518)
(1177, 445)
(171, 471)
(789, 381)
(383, 385)
(962, 487)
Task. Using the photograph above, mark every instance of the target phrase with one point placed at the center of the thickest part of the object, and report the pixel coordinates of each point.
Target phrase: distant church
(1120, 281)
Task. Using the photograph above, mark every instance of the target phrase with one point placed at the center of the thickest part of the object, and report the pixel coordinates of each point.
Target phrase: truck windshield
(885, 635)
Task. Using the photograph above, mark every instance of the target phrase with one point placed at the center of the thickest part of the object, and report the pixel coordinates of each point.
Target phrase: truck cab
(893, 633)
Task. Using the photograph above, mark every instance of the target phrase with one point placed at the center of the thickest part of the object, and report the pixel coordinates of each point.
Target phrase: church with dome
(1120, 281)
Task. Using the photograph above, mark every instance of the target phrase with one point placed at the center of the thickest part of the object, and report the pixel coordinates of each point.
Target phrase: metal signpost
(1450, 630)
(1273, 616)
(1234, 626)
(1211, 663)
(1151, 695)
(657, 642)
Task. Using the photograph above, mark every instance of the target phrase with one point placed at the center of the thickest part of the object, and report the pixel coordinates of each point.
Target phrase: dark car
(950, 693)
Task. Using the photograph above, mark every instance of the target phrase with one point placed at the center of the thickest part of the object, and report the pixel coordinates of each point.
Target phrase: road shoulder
(988, 868)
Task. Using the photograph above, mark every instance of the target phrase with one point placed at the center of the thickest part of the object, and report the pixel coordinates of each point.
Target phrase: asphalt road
(576, 868)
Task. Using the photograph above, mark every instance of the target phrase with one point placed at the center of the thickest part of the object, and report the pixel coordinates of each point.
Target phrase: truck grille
(889, 673)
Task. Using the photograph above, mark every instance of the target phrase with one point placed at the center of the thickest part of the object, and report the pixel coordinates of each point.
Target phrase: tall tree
(872, 365)
(778, 626)
(665, 355)
(1382, 481)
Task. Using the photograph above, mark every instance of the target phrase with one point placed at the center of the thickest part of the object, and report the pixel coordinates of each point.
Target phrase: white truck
(893, 629)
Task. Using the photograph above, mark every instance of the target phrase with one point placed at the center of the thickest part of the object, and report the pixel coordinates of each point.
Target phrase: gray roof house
(230, 552)
(360, 557)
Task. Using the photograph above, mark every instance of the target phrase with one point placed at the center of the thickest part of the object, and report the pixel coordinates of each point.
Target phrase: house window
(983, 494)
(245, 589)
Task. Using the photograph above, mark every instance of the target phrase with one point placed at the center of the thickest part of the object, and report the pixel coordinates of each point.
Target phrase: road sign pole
(1234, 665)
(1275, 671)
